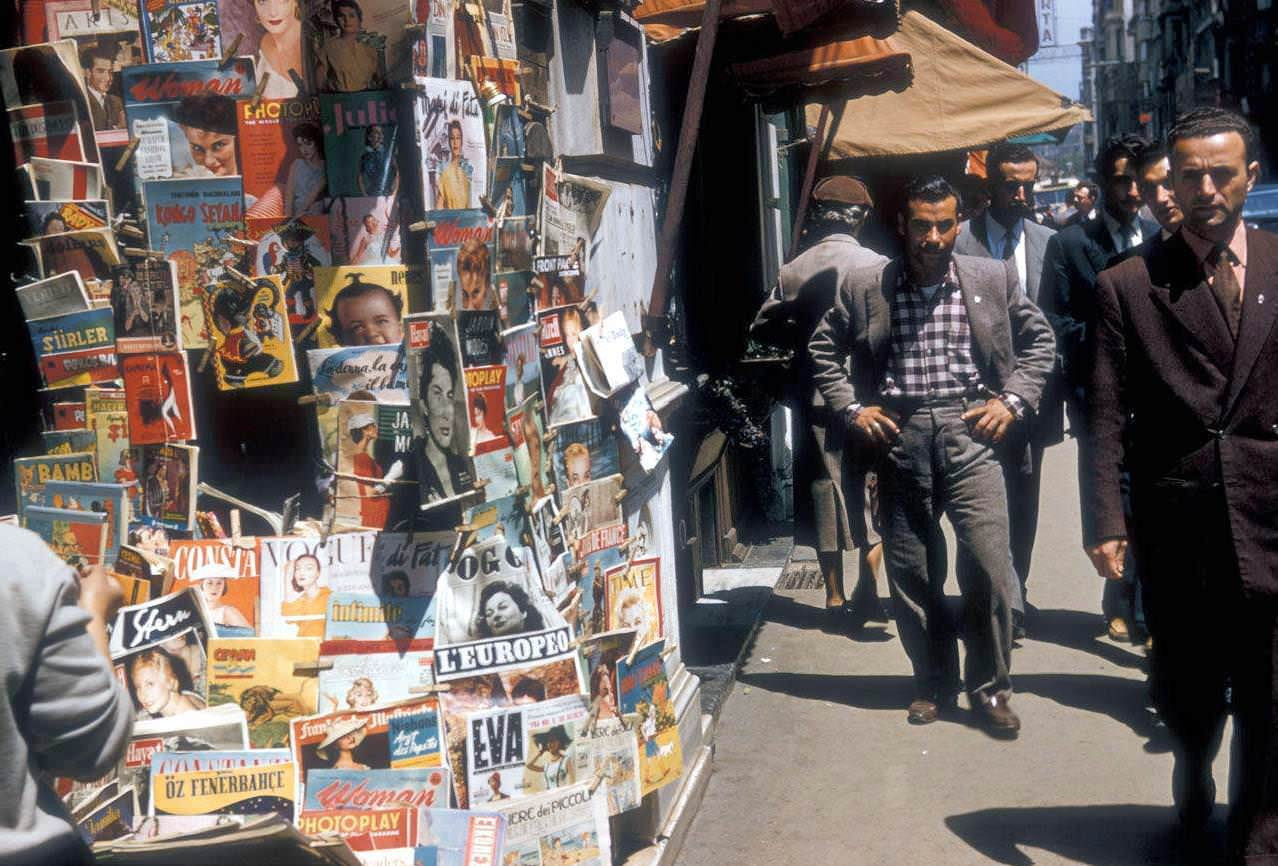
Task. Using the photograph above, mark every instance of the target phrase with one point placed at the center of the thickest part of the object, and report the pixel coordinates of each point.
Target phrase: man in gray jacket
(931, 360)
(829, 492)
(64, 712)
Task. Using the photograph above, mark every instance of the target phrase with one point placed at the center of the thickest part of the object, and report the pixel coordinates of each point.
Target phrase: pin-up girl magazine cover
(450, 129)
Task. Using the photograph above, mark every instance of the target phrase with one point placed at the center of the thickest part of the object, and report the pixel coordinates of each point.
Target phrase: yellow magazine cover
(364, 305)
(257, 674)
(248, 329)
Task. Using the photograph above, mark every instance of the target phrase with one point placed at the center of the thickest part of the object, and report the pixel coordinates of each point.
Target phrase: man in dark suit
(1085, 197)
(106, 107)
(1074, 257)
(930, 360)
(1008, 231)
(1186, 348)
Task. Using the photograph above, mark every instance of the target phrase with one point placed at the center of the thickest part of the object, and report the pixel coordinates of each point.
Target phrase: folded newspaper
(271, 839)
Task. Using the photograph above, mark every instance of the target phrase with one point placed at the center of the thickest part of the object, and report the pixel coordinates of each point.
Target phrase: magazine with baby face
(515, 752)
(492, 590)
(184, 116)
(259, 676)
(216, 728)
(449, 125)
(366, 305)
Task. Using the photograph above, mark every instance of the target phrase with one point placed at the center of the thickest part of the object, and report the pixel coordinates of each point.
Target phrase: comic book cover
(108, 37)
(273, 35)
(363, 829)
(356, 52)
(486, 403)
(54, 217)
(169, 475)
(567, 399)
(492, 590)
(98, 497)
(515, 752)
(226, 576)
(362, 738)
(450, 129)
(300, 572)
(258, 675)
(366, 616)
(144, 296)
(566, 825)
(361, 134)
(184, 116)
(31, 474)
(77, 537)
(377, 372)
(644, 694)
(508, 688)
(108, 417)
(585, 450)
(480, 333)
(365, 230)
(191, 222)
(414, 788)
(68, 441)
(513, 298)
(75, 349)
(158, 398)
(216, 728)
(49, 129)
(523, 372)
(181, 31)
(91, 253)
(365, 673)
(49, 73)
(460, 248)
(248, 782)
(282, 158)
(292, 249)
(530, 449)
(160, 652)
(441, 436)
(60, 180)
(68, 415)
(643, 429)
(252, 344)
(366, 305)
(56, 296)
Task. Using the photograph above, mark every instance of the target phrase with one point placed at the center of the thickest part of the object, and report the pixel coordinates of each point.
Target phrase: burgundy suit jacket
(1202, 407)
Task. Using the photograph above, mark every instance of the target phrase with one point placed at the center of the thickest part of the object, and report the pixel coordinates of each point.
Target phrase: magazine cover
(583, 451)
(486, 402)
(612, 746)
(514, 298)
(366, 305)
(644, 694)
(589, 574)
(77, 537)
(144, 298)
(248, 782)
(413, 788)
(492, 590)
(67, 441)
(217, 728)
(418, 558)
(361, 740)
(98, 497)
(364, 47)
(592, 513)
(68, 415)
(158, 398)
(191, 222)
(634, 599)
(55, 217)
(282, 156)
(184, 116)
(571, 210)
(361, 136)
(108, 37)
(454, 151)
(292, 249)
(365, 673)
(441, 436)
(226, 576)
(75, 349)
(481, 341)
(365, 230)
(548, 543)
(181, 31)
(514, 752)
(273, 35)
(168, 475)
(112, 819)
(49, 129)
(162, 656)
(460, 249)
(300, 572)
(257, 674)
(371, 372)
(373, 452)
(643, 429)
(453, 837)
(523, 372)
(60, 180)
(44, 74)
(252, 344)
(91, 253)
(108, 418)
(363, 829)
(567, 825)
(567, 399)
(56, 296)
(531, 450)
(32, 474)
(510, 181)
(497, 467)
(364, 616)
(607, 356)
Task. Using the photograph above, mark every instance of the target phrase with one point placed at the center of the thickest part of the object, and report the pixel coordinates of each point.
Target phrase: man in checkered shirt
(930, 360)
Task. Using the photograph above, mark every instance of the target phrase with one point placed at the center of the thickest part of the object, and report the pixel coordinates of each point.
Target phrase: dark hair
(349, 4)
(1206, 121)
(532, 617)
(211, 111)
(558, 732)
(1125, 144)
(358, 289)
(455, 124)
(1092, 189)
(48, 221)
(397, 574)
(529, 687)
(1151, 154)
(96, 52)
(1005, 152)
(479, 402)
(930, 188)
(439, 351)
(309, 131)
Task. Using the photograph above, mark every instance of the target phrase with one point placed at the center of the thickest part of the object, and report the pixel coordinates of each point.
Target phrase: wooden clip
(421, 226)
(307, 331)
(244, 279)
(634, 650)
(599, 780)
(235, 527)
(433, 688)
(525, 114)
(304, 669)
(620, 496)
(413, 85)
(128, 153)
(528, 167)
(418, 27)
(244, 242)
(665, 653)
(130, 231)
(559, 518)
(537, 106)
(522, 490)
(549, 435)
(204, 361)
(298, 82)
(550, 490)
(487, 206)
(136, 253)
(321, 399)
(261, 89)
(229, 57)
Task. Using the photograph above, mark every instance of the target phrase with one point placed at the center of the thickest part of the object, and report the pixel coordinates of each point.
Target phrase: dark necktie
(1225, 285)
(1009, 245)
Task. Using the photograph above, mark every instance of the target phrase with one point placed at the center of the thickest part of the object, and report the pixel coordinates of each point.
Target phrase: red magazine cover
(49, 129)
(282, 158)
(158, 396)
(68, 416)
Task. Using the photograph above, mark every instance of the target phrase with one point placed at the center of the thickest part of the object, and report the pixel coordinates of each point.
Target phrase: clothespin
(537, 106)
(128, 153)
(136, 253)
(550, 489)
(261, 89)
(410, 84)
(620, 496)
(306, 669)
(235, 527)
(416, 27)
(550, 434)
(487, 206)
(600, 776)
(244, 279)
(433, 688)
(559, 518)
(528, 167)
(298, 82)
(324, 400)
(634, 650)
(307, 331)
(665, 653)
(244, 242)
(130, 231)
(229, 57)
(421, 226)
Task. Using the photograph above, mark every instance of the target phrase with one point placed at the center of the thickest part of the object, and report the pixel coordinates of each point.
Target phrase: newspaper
(503, 653)
(567, 825)
(217, 728)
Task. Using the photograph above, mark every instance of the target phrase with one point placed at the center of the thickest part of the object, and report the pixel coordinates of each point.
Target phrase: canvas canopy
(960, 98)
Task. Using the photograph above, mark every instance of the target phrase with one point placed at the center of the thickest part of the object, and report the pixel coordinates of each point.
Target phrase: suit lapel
(1258, 312)
(1099, 233)
(979, 232)
(1178, 287)
(1035, 244)
(980, 311)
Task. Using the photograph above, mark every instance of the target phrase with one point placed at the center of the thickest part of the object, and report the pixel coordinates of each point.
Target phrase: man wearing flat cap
(830, 501)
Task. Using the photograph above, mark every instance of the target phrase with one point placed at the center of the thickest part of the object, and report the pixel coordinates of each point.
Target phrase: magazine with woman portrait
(166, 677)
(361, 134)
(270, 31)
(357, 45)
(492, 590)
(441, 432)
(449, 124)
(281, 145)
(225, 575)
(365, 230)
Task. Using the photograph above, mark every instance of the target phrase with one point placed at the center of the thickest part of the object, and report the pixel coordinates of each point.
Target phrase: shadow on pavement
(862, 692)
(784, 610)
(1110, 835)
(1121, 699)
(1074, 629)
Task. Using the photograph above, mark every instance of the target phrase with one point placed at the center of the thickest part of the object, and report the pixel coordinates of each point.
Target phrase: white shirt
(1124, 236)
(999, 236)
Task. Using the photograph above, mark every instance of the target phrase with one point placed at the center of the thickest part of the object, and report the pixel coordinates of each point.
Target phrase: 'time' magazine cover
(248, 325)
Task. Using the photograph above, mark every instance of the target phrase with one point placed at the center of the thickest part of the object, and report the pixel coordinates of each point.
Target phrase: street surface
(815, 763)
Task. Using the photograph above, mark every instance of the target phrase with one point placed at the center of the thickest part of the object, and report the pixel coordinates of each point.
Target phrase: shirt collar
(948, 283)
(1115, 227)
(995, 229)
(1203, 247)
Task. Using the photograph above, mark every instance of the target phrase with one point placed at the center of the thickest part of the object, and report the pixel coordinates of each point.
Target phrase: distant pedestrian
(930, 360)
(1084, 198)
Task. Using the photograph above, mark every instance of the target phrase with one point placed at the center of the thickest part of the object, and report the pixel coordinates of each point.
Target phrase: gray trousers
(937, 468)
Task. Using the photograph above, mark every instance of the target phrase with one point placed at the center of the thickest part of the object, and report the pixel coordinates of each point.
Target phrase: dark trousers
(935, 467)
(1023, 476)
(1209, 635)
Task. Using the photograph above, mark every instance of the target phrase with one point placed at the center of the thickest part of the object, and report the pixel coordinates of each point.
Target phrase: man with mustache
(929, 361)
(1067, 294)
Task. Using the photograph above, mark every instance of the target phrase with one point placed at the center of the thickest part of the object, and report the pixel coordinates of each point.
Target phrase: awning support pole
(654, 319)
(821, 144)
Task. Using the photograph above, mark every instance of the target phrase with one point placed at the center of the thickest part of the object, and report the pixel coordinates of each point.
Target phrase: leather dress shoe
(925, 711)
(996, 717)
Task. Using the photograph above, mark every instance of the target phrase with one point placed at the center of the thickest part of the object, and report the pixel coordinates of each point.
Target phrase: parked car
(1261, 209)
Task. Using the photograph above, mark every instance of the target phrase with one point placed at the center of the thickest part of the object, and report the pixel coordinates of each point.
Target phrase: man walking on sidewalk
(930, 360)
